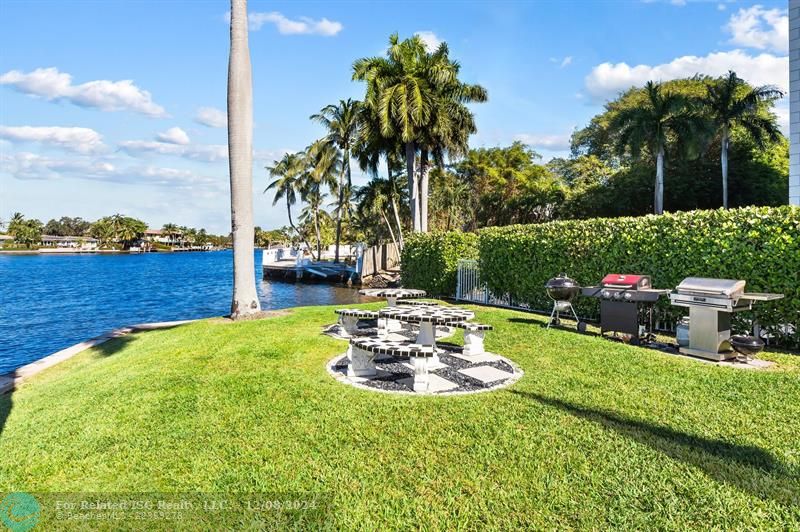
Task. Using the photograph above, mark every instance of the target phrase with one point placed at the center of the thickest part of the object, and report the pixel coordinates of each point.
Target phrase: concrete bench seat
(469, 326)
(417, 303)
(473, 337)
(362, 353)
(349, 317)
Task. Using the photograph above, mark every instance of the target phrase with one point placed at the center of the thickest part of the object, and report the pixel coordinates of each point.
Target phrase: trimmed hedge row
(758, 244)
(430, 260)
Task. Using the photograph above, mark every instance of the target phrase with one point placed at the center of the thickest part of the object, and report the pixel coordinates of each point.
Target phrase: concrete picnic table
(427, 318)
(392, 294)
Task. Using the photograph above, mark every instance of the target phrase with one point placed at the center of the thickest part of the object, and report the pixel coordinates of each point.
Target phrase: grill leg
(550, 321)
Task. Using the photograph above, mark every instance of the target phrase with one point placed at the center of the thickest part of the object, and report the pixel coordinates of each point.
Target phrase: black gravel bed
(397, 371)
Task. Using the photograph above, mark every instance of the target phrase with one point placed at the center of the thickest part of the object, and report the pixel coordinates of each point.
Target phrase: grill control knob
(606, 294)
(617, 295)
(628, 295)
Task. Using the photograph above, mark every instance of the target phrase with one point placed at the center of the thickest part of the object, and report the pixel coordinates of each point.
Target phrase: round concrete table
(428, 318)
(392, 294)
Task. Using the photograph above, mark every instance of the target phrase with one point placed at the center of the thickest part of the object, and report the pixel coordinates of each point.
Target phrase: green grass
(595, 435)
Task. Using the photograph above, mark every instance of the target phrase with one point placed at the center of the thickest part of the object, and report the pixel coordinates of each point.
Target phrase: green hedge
(430, 260)
(758, 244)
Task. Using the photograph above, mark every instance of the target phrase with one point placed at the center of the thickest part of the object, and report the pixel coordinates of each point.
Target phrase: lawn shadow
(528, 321)
(749, 468)
(114, 345)
(6, 403)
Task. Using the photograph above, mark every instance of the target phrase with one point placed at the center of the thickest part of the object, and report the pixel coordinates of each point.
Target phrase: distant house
(157, 235)
(74, 242)
(6, 240)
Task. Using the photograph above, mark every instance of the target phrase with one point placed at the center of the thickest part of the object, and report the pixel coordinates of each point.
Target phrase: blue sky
(110, 106)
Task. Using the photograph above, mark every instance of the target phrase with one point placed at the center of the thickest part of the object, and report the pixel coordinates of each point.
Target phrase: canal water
(50, 302)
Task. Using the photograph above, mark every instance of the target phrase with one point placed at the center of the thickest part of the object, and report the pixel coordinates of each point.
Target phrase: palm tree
(341, 121)
(398, 88)
(240, 160)
(312, 213)
(371, 146)
(324, 162)
(652, 124)
(408, 89)
(16, 221)
(372, 201)
(451, 125)
(729, 103)
(287, 183)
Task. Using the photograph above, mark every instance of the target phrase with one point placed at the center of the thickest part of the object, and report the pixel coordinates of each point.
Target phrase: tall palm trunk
(395, 210)
(319, 237)
(301, 235)
(240, 157)
(424, 172)
(391, 231)
(339, 210)
(413, 187)
(724, 161)
(658, 202)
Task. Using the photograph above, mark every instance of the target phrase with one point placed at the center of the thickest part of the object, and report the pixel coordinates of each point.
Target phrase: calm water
(49, 302)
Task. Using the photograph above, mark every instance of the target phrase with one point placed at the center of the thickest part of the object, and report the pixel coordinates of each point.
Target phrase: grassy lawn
(595, 435)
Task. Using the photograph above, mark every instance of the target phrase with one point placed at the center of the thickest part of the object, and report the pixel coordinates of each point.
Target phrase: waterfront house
(171, 239)
(71, 242)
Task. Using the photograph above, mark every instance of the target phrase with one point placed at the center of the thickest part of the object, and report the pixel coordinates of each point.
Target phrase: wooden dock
(364, 264)
(319, 271)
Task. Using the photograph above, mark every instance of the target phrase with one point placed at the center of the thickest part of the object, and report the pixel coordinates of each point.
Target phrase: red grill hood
(623, 280)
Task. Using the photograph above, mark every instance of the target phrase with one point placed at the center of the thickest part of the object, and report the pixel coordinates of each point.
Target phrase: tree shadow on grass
(114, 345)
(5, 407)
(749, 468)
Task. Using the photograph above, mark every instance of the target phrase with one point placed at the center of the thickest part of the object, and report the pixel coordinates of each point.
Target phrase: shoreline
(9, 380)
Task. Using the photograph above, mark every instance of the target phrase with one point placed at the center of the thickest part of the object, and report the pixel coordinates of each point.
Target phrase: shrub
(758, 244)
(430, 260)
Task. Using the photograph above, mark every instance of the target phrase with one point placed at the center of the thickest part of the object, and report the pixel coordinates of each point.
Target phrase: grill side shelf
(760, 296)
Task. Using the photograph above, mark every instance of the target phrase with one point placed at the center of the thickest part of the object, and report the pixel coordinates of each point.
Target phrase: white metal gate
(468, 283)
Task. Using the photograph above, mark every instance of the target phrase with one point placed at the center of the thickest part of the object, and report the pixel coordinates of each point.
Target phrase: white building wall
(794, 102)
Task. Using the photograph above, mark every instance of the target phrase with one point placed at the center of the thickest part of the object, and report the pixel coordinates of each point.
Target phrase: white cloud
(77, 139)
(757, 27)
(300, 26)
(431, 40)
(195, 152)
(557, 142)
(211, 117)
(51, 84)
(721, 7)
(174, 135)
(608, 79)
(31, 166)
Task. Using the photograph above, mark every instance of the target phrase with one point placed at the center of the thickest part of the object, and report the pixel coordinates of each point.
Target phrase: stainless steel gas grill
(626, 303)
(711, 303)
